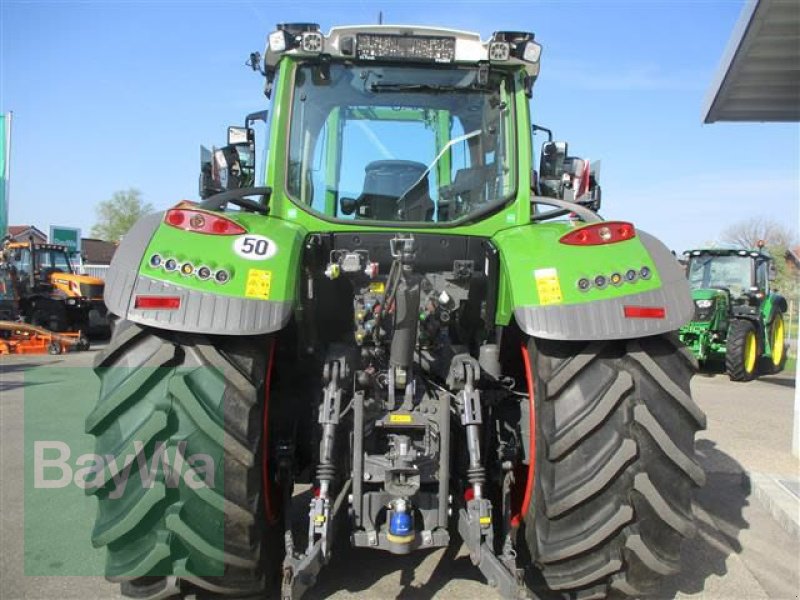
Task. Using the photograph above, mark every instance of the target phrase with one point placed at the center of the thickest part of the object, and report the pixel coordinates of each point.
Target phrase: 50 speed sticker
(254, 247)
(548, 286)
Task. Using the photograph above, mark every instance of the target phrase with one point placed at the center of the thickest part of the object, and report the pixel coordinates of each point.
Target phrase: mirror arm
(260, 115)
(545, 129)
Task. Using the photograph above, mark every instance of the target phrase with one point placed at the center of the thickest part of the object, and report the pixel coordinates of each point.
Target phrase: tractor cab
(741, 277)
(35, 265)
(398, 125)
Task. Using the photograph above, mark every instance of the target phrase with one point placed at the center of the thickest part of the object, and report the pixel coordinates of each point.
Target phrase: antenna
(380, 17)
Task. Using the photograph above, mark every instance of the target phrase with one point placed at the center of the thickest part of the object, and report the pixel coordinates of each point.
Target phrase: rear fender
(257, 298)
(773, 303)
(539, 285)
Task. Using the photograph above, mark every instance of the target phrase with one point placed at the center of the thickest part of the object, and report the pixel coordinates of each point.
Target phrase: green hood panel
(707, 294)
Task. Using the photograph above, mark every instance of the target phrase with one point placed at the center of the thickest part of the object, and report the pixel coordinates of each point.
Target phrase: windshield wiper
(425, 87)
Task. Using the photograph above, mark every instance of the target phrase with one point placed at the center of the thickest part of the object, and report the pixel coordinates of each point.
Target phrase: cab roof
(753, 253)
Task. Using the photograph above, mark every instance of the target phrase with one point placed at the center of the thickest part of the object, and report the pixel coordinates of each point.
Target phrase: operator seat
(385, 181)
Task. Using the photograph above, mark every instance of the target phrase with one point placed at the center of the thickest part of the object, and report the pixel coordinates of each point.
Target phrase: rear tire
(615, 465)
(742, 351)
(168, 388)
(774, 364)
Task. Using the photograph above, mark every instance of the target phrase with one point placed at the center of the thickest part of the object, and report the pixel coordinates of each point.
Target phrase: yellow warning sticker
(377, 287)
(548, 286)
(259, 283)
(401, 418)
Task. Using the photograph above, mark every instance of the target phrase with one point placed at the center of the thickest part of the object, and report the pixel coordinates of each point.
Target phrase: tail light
(201, 222)
(645, 312)
(597, 234)
(157, 302)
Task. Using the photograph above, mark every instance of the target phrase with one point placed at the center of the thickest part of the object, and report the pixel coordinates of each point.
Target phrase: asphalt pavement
(745, 547)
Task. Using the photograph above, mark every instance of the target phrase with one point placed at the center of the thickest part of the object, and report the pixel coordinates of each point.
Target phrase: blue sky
(111, 95)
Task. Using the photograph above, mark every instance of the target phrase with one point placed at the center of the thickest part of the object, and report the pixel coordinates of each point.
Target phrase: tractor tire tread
(164, 540)
(616, 465)
(735, 351)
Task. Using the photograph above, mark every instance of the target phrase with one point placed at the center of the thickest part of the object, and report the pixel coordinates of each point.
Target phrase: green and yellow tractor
(738, 319)
(402, 336)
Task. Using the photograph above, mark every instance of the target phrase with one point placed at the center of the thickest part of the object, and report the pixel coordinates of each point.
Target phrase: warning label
(258, 284)
(548, 286)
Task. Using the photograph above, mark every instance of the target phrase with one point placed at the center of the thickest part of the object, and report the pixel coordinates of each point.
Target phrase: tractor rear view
(404, 319)
(738, 319)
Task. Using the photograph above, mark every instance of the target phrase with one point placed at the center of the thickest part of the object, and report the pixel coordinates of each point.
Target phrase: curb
(779, 501)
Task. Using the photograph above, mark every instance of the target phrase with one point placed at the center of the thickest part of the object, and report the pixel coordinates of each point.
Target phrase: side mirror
(348, 205)
(226, 168)
(238, 136)
(551, 161)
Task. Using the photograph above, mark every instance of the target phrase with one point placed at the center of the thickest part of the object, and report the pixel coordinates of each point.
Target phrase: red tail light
(645, 312)
(597, 234)
(201, 222)
(157, 302)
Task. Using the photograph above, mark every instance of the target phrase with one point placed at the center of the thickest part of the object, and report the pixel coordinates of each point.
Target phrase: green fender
(539, 285)
(257, 297)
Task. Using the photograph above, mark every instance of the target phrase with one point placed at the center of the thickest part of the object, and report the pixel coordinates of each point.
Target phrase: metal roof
(759, 76)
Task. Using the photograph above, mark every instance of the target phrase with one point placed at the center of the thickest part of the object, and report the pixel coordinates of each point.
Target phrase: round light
(187, 268)
(584, 284)
(644, 273)
(175, 217)
(171, 264)
(197, 221)
(222, 276)
(155, 261)
(616, 279)
(219, 226)
(604, 233)
(630, 275)
(600, 281)
(203, 273)
(625, 231)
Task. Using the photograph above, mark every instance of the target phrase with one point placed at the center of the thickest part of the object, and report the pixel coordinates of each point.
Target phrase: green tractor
(737, 319)
(400, 337)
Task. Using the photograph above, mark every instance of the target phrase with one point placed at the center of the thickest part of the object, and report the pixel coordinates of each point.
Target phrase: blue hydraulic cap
(400, 524)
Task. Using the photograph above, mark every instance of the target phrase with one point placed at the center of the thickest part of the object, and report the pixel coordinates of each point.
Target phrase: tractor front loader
(402, 317)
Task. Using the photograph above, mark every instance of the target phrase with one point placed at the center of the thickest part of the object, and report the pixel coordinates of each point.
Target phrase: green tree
(118, 214)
